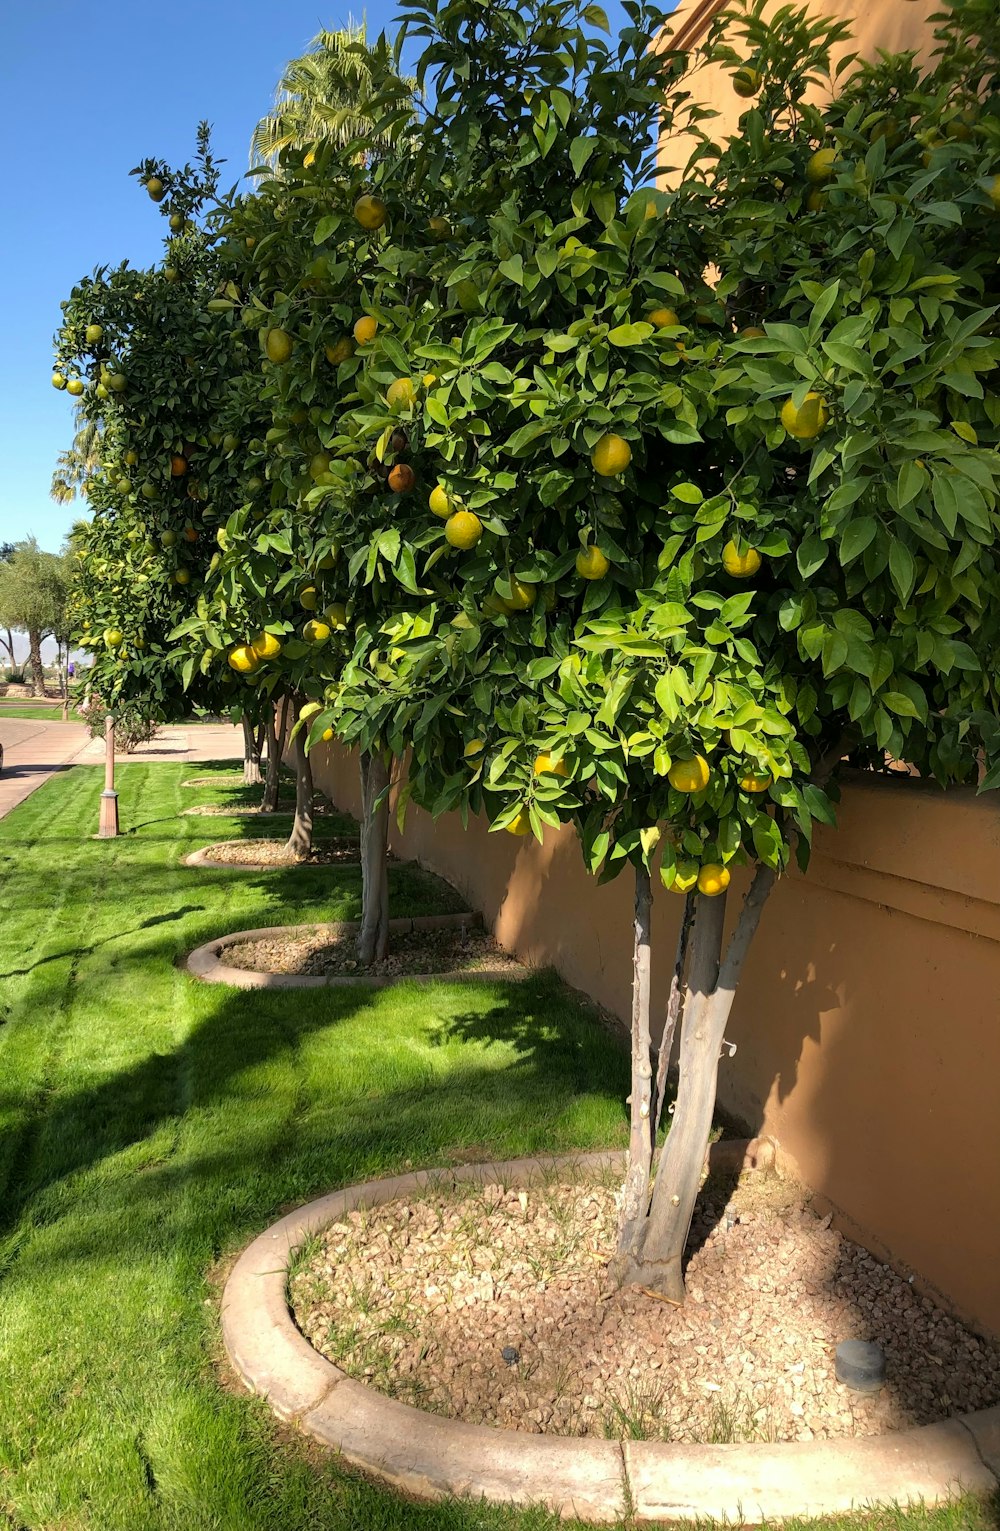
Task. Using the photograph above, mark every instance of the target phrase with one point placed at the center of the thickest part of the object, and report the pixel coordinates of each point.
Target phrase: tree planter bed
(591, 1477)
(284, 810)
(340, 851)
(209, 963)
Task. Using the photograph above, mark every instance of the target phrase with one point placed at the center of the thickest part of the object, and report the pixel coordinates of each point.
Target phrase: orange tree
(151, 356)
(666, 554)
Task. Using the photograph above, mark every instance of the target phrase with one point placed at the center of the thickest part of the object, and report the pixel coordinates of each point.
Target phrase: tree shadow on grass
(76, 952)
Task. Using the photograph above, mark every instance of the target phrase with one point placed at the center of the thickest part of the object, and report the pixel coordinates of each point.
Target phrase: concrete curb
(203, 858)
(206, 962)
(596, 1480)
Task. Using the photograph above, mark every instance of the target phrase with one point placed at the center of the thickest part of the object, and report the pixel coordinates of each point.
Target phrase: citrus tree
(669, 552)
(150, 358)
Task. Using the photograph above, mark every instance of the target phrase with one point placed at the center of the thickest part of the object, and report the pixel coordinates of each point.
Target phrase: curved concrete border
(597, 1480)
(206, 962)
(198, 811)
(203, 858)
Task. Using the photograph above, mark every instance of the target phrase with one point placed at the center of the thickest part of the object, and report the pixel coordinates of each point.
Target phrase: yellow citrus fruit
(994, 192)
(689, 775)
(266, 646)
(821, 166)
(341, 351)
(808, 420)
(156, 188)
(117, 382)
(401, 393)
(114, 637)
(315, 631)
(740, 565)
(336, 616)
(364, 329)
(817, 200)
(685, 876)
(319, 466)
(326, 735)
(429, 379)
(75, 387)
(441, 502)
(131, 457)
(328, 561)
(473, 748)
(308, 598)
(371, 212)
(521, 825)
(93, 333)
(58, 381)
(747, 82)
(278, 345)
(591, 563)
(663, 318)
(439, 227)
(182, 576)
(242, 659)
(611, 456)
(463, 529)
(713, 879)
(754, 781)
(178, 466)
(752, 332)
(167, 539)
(546, 766)
(521, 596)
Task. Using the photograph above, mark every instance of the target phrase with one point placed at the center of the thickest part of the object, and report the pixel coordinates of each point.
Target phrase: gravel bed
(418, 951)
(227, 779)
(420, 1298)
(243, 810)
(234, 853)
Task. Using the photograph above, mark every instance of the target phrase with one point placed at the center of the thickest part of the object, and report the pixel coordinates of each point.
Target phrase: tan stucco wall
(866, 1026)
(892, 25)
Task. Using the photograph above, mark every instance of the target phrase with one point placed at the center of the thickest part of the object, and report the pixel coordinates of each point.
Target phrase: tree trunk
(657, 1260)
(37, 673)
(251, 754)
(672, 1015)
(635, 1193)
(276, 733)
(300, 840)
(373, 939)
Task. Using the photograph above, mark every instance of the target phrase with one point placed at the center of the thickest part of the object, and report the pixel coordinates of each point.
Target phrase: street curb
(596, 1480)
(206, 962)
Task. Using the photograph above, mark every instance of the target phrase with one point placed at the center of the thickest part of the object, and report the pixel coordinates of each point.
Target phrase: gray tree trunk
(276, 732)
(299, 842)
(373, 938)
(658, 1253)
(672, 1016)
(251, 754)
(635, 1193)
(37, 673)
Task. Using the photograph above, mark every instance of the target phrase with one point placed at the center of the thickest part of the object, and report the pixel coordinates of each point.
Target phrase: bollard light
(109, 797)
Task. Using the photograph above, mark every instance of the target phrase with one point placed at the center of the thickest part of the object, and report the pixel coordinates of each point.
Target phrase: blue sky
(91, 90)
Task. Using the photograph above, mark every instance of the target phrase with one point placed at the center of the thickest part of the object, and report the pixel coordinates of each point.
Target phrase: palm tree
(325, 93)
(77, 464)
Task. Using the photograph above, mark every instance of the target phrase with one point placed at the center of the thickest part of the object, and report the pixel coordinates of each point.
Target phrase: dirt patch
(245, 810)
(234, 853)
(448, 950)
(492, 1306)
(227, 779)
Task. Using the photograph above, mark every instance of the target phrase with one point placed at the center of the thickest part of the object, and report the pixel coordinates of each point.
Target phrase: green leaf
(630, 334)
(580, 151)
(902, 568)
(689, 494)
(901, 705)
(811, 554)
(857, 537)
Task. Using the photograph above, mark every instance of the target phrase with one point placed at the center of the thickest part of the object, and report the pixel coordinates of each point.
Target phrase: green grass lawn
(151, 1126)
(44, 712)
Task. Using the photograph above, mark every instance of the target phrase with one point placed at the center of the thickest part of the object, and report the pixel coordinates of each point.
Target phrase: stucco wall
(892, 25)
(866, 1027)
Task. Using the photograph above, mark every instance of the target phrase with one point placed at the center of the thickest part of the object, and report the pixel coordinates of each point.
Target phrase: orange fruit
(545, 766)
(242, 659)
(463, 530)
(591, 563)
(364, 329)
(342, 350)
(266, 646)
(754, 781)
(740, 565)
(685, 876)
(521, 825)
(663, 318)
(401, 478)
(821, 166)
(611, 456)
(315, 631)
(441, 502)
(689, 775)
(808, 420)
(713, 879)
(747, 82)
(401, 393)
(370, 212)
(178, 466)
(278, 345)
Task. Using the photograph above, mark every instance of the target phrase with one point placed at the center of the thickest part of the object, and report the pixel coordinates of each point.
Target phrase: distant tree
(323, 94)
(78, 463)
(33, 599)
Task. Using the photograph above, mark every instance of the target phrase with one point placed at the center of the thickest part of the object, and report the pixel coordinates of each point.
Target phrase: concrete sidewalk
(34, 751)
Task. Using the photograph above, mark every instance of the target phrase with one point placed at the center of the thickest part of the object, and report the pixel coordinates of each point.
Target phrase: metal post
(109, 797)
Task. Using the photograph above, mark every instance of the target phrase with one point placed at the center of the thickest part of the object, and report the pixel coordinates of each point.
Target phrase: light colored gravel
(448, 950)
(228, 853)
(240, 810)
(419, 1299)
